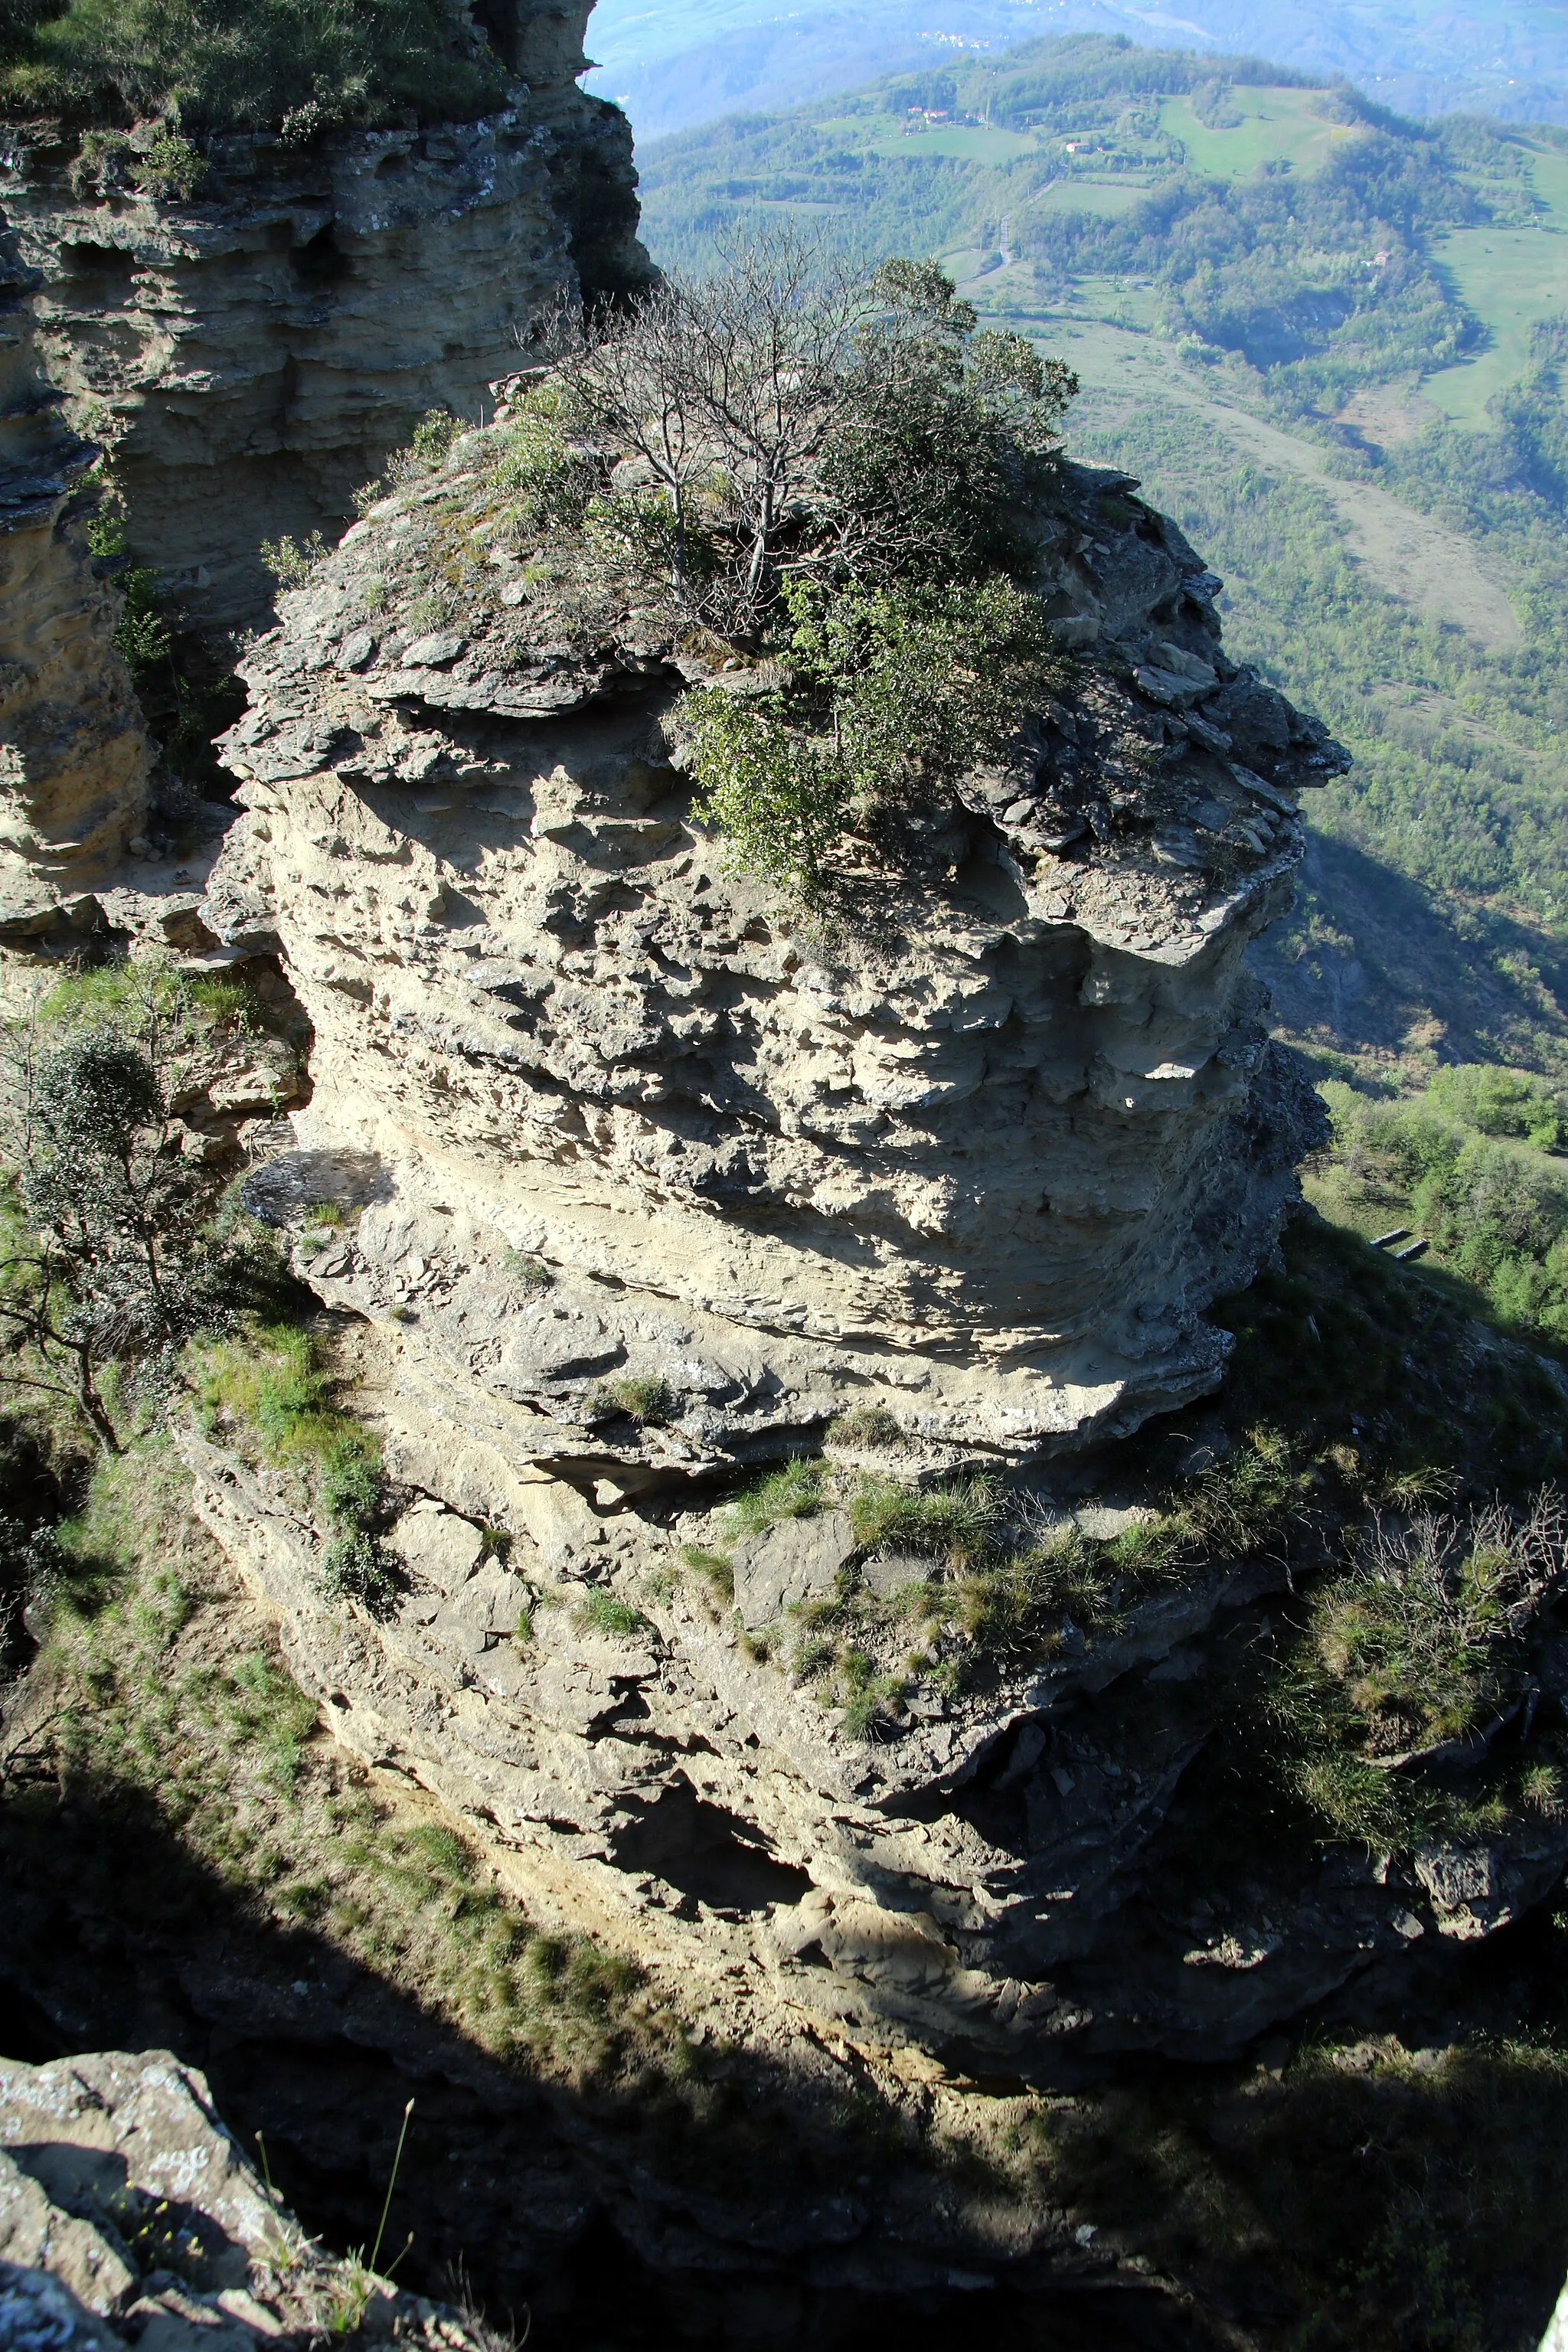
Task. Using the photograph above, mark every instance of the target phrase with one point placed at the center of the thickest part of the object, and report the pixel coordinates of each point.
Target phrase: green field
(1282, 126)
(1106, 199)
(1511, 278)
(973, 145)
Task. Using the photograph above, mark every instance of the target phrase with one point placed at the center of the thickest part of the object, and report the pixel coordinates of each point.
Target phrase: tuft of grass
(792, 1492)
(528, 1272)
(602, 1612)
(644, 1398)
(716, 1567)
(960, 1524)
(268, 1393)
(1424, 1640)
(177, 1727)
(867, 1427)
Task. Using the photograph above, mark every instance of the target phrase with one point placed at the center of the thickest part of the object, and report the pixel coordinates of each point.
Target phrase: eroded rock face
(74, 753)
(984, 1168)
(256, 354)
(653, 1181)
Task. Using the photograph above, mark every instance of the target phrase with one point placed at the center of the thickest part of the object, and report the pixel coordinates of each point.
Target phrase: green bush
(1495, 1210)
(290, 563)
(896, 692)
(355, 1567)
(246, 65)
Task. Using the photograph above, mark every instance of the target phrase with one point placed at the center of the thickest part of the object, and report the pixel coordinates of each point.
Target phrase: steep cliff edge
(253, 354)
(654, 1181)
(74, 753)
(984, 1168)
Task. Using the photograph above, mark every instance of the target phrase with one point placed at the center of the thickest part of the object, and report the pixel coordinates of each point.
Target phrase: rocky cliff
(74, 751)
(647, 1181)
(254, 354)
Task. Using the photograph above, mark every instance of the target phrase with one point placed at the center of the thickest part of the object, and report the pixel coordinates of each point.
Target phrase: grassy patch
(602, 1612)
(172, 1698)
(866, 1428)
(792, 1491)
(646, 1398)
(959, 1524)
(269, 1394)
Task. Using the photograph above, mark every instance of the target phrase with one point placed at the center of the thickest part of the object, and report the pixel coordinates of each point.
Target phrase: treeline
(1469, 1163)
(254, 64)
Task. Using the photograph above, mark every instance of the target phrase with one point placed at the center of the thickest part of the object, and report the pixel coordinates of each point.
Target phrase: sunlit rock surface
(74, 753)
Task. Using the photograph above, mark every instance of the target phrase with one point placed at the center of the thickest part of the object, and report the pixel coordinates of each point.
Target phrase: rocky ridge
(74, 761)
(253, 354)
(640, 1183)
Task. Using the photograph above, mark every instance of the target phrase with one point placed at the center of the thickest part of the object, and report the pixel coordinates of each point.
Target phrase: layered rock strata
(1005, 1871)
(984, 1168)
(74, 753)
(128, 2215)
(648, 1183)
(252, 355)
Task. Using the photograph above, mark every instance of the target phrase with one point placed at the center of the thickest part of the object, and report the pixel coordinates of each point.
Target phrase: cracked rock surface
(74, 751)
(128, 2215)
(259, 351)
(640, 1184)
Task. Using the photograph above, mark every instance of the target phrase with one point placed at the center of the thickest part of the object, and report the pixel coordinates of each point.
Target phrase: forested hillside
(689, 61)
(1332, 343)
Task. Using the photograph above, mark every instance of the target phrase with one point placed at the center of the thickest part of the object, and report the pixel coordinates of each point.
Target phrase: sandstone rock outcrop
(252, 355)
(74, 751)
(646, 1181)
(985, 1171)
(128, 2215)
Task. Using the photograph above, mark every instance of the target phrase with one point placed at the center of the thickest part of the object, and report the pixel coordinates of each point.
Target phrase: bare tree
(731, 384)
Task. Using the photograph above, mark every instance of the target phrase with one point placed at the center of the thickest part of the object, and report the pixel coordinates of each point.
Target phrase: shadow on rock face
(293, 1181)
(603, 2221)
(708, 1852)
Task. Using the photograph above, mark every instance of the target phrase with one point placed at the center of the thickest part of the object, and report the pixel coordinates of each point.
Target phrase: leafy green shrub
(247, 64)
(355, 1567)
(896, 691)
(290, 563)
(352, 1484)
(169, 168)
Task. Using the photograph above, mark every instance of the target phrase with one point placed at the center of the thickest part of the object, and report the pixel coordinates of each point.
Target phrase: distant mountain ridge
(687, 61)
